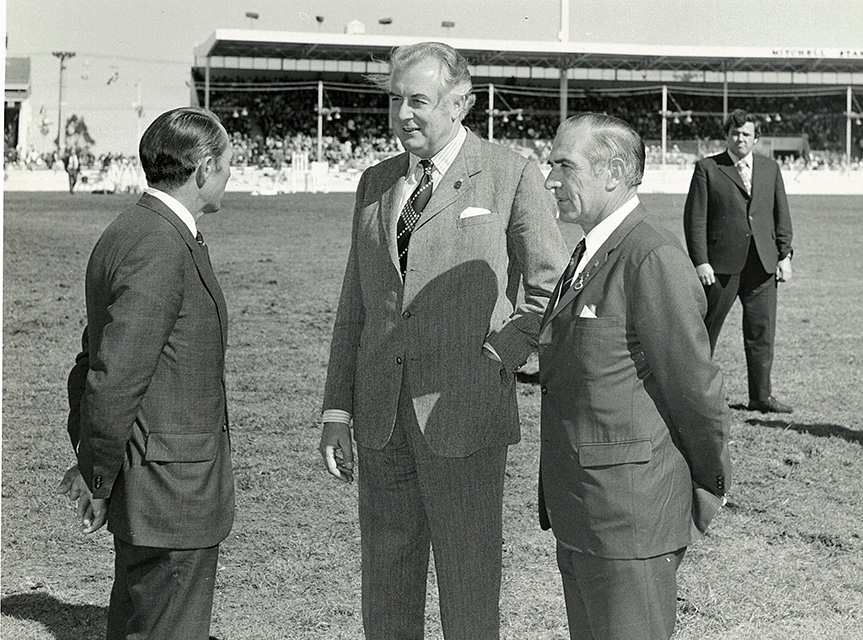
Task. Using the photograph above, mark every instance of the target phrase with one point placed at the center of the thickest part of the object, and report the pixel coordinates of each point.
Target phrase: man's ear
(203, 171)
(616, 174)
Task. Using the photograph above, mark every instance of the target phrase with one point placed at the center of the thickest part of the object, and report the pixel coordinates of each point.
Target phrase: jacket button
(224, 428)
(544, 390)
(406, 315)
(398, 360)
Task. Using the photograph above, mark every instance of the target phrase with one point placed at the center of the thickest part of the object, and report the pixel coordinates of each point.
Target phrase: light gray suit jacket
(461, 289)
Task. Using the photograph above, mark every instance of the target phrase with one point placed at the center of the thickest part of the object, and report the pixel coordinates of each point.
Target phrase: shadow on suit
(819, 430)
(63, 621)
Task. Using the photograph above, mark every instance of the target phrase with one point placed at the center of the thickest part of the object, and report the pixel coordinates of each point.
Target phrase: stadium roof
(551, 55)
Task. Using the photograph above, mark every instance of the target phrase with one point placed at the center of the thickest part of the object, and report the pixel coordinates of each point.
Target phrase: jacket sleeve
(538, 252)
(668, 305)
(695, 216)
(348, 327)
(781, 218)
(144, 294)
(75, 386)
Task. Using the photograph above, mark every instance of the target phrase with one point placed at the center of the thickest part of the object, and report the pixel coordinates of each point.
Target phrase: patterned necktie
(411, 213)
(569, 272)
(745, 175)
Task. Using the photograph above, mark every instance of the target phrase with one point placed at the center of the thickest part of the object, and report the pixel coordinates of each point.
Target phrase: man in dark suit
(634, 460)
(148, 416)
(738, 232)
(427, 338)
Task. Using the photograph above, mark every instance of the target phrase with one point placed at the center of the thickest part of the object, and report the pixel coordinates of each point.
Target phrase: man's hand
(92, 512)
(337, 450)
(783, 270)
(705, 274)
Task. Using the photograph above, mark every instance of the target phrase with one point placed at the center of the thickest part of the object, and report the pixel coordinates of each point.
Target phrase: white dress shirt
(597, 236)
(177, 207)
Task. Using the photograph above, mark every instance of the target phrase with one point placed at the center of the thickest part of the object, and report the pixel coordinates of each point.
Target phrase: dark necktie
(411, 213)
(569, 272)
(200, 240)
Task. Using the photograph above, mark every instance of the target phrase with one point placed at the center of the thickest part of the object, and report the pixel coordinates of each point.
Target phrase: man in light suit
(634, 460)
(738, 232)
(427, 338)
(148, 415)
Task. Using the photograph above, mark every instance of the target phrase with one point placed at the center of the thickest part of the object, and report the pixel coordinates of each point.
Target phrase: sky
(130, 52)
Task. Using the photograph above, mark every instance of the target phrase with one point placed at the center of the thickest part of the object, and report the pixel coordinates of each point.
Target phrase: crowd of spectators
(268, 127)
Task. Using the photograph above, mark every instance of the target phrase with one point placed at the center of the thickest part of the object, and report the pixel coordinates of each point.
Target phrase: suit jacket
(460, 289)
(720, 217)
(147, 402)
(634, 456)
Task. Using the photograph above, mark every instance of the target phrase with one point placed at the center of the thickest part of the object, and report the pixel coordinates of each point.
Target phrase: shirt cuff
(336, 415)
(491, 351)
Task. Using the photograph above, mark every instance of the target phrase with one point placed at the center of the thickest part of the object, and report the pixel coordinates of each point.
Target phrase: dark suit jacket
(720, 218)
(148, 414)
(634, 456)
(461, 288)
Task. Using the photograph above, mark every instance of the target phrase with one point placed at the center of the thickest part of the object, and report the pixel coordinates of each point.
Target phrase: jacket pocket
(605, 454)
(181, 447)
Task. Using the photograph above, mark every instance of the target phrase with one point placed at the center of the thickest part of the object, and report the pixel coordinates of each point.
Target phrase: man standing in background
(738, 232)
(427, 338)
(148, 417)
(73, 168)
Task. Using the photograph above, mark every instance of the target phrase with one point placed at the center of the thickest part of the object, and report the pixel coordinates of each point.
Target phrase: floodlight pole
(491, 112)
(848, 110)
(664, 122)
(563, 36)
(61, 130)
(320, 120)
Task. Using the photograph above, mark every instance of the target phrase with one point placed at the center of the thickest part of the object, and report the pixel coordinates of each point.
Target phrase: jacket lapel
(596, 264)
(199, 256)
(389, 202)
(726, 165)
(457, 180)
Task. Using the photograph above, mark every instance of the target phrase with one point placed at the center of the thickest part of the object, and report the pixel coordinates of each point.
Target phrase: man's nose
(551, 182)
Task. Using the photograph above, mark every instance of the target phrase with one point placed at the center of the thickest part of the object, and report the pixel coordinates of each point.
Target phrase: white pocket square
(588, 311)
(470, 212)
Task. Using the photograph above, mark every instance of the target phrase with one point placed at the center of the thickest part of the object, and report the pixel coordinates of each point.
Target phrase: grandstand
(280, 93)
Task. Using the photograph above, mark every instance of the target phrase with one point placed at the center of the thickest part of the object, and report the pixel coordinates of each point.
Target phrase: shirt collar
(747, 158)
(444, 158)
(177, 207)
(597, 236)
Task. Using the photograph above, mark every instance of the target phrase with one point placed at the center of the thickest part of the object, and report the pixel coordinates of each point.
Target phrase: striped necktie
(411, 212)
(569, 272)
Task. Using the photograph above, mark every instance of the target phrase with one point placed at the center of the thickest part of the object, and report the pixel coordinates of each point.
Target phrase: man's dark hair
(174, 145)
(739, 117)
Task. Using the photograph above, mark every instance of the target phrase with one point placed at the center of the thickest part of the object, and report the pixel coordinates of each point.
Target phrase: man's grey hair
(455, 76)
(611, 138)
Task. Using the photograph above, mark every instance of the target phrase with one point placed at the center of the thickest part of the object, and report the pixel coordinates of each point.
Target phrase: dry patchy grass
(783, 561)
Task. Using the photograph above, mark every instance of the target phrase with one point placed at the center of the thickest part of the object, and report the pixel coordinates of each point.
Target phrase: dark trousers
(619, 599)
(161, 594)
(757, 292)
(410, 499)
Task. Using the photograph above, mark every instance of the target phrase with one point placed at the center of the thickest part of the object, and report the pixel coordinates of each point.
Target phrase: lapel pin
(457, 184)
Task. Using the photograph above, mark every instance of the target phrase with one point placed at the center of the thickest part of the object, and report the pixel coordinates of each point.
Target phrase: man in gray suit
(427, 338)
(148, 417)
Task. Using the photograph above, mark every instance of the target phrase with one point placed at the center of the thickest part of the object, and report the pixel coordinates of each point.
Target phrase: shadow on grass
(818, 430)
(63, 620)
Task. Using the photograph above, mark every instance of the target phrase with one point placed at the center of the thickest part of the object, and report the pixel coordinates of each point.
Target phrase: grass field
(783, 561)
